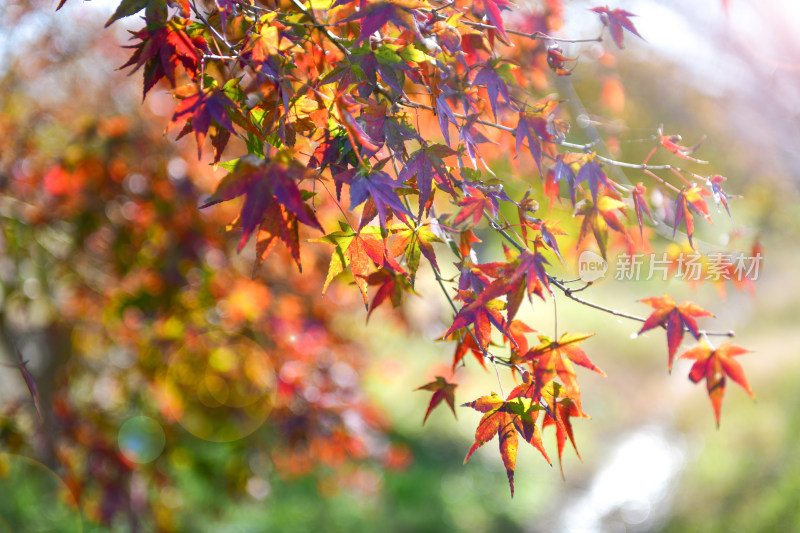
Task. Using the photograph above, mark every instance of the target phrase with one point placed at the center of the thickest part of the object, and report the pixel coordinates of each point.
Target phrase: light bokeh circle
(219, 389)
(34, 498)
(141, 439)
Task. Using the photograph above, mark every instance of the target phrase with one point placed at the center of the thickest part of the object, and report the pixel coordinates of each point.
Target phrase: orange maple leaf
(507, 419)
(716, 365)
(555, 358)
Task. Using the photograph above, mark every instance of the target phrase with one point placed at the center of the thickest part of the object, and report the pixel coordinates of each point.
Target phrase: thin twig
(210, 27)
(569, 293)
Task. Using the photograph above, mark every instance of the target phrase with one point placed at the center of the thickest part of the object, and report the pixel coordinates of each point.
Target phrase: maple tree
(375, 128)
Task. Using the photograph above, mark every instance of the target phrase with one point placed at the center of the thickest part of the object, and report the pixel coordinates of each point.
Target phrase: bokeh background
(653, 459)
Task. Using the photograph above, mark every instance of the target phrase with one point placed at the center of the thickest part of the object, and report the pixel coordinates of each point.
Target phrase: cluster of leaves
(337, 104)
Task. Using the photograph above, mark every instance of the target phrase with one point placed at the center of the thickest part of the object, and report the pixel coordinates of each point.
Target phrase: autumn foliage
(376, 143)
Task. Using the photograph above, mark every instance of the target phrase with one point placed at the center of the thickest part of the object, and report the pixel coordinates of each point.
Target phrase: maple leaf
(529, 267)
(474, 205)
(380, 188)
(412, 243)
(598, 218)
(688, 200)
(446, 116)
(529, 126)
(201, 107)
(521, 275)
(155, 10)
(593, 174)
(471, 137)
(391, 286)
(442, 390)
(548, 230)
(516, 335)
(617, 20)
(489, 75)
(560, 408)
(402, 13)
(426, 165)
(277, 224)
(563, 171)
(481, 313)
(466, 344)
(386, 62)
(674, 318)
(507, 419)
(670, 143)
(270, 40)
(394, 130)
(161, 51)
(491, 9)
(272, 200)
(555, 358)
(347, 107)
(361, 252)
(334, 152)
(716, 365)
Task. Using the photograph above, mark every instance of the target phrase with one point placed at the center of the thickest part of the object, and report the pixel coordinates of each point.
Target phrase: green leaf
(413, 54)
(386, 55)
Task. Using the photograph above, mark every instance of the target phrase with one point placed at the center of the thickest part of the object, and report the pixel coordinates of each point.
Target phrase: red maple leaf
(720, 196)
(474, 205)
(674, 318)
(715, 365)
(516, 335)
(617, 20)
(445, 115)
(277, 224)
(481, 313)
(442, 390)
(272, 200)
(161, 50)
(670, 143)
(492, 8)
(391, 286)
(201, 107)
(563, 171)
(528, 268)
